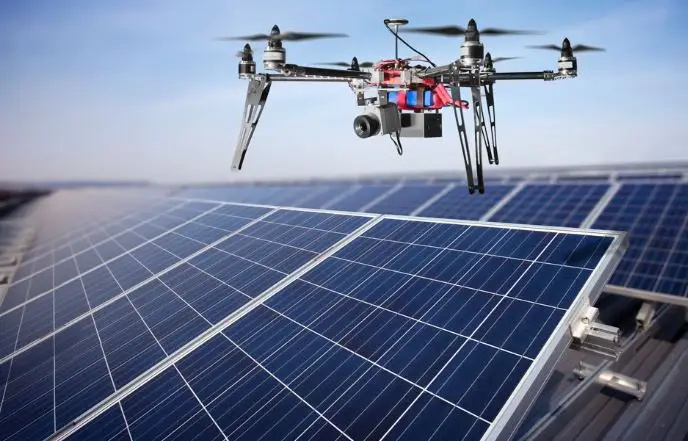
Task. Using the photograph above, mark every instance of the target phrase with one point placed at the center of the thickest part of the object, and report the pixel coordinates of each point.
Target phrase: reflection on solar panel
(565, 205)
(394, 327)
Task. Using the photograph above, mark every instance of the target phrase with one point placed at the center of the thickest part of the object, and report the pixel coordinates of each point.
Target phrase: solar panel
(359, 198)
(563, 205)
(120, 333)
(406, 199)
(457, 203)
(107, 280)
(670, 176)
(412, 329)
(656, 219)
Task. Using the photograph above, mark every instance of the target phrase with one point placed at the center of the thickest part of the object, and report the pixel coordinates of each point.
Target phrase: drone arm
(256, 96)
(546, 75)
(305, 71)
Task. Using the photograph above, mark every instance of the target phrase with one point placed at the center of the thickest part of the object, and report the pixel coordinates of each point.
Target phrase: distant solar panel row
(81, 239)
(415, 330)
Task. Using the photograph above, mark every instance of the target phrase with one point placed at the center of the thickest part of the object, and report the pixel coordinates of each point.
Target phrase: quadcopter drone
(407, 97)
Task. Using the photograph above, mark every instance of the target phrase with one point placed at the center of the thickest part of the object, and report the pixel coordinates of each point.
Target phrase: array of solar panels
(652, 208)
(200, 320)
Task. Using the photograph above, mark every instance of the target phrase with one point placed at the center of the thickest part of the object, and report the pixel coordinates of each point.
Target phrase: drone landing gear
(463, 138)
(256, 96)
(396, 140)
(481, 132)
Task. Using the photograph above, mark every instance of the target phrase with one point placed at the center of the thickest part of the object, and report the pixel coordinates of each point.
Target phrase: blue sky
(141, 90)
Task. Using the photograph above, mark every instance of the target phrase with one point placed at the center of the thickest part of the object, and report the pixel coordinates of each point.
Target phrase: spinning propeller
(276, 35)
(454, 31)
(246, 54)
(353, 64)
(566, 49)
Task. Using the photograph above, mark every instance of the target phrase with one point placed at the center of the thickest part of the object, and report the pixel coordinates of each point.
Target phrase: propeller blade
(285, 36)
(586, 48)
(498, 59)
(576, 48)
(345, 64)
(552, 47)
(496, 32)
(449, 31)
(454, 31)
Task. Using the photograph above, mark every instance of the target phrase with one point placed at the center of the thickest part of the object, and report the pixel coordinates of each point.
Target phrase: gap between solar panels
(563, 256)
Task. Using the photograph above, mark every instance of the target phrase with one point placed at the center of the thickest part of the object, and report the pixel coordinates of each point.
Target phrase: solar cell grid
(459, 204)
(562, 205)
(358, 198)
(406, 199)
(108, 281)
(324, 195)
(655, 217)
(373, 341)
(140, 328)
(79, 245)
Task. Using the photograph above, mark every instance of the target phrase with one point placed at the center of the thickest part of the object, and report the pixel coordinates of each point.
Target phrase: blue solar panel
(563, 205)
(405, 199)
(359, 198)
(459, 204)
(322, 196)
(414, 330)
(656, 219)
(671, 176)
(110, 279)
(129, 332)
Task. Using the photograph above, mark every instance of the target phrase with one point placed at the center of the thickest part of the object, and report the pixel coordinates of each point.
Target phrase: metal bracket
(6, 261)
(612, 380)
(256, 96)
(593, 336)
(645, 316)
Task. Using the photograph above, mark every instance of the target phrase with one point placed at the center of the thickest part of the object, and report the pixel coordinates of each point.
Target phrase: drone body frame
(407, 100)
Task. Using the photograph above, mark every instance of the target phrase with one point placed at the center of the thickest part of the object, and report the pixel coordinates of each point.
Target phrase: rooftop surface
(87, 258)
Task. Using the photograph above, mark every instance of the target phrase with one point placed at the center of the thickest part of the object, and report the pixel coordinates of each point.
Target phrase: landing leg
(257, 95)
(489, 98)
(480, 131)
(463, 137)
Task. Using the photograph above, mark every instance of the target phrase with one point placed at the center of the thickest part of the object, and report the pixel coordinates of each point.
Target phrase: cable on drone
(396, 34)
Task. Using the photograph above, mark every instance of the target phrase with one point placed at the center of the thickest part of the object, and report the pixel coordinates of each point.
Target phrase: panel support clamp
(613, 380)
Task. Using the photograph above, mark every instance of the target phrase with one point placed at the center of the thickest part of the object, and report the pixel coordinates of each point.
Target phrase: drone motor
(274, 55)
(247, 66)
(472, 50)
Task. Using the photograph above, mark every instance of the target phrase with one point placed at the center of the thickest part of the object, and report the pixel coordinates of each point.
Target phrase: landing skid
(256, 96)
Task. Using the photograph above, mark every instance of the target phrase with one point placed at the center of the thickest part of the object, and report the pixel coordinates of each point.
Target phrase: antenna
(396, 22)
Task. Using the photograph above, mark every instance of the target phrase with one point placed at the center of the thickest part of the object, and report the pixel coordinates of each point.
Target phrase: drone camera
(366, 126)
(378, 119)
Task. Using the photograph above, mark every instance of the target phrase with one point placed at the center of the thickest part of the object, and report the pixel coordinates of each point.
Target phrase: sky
(143, 90)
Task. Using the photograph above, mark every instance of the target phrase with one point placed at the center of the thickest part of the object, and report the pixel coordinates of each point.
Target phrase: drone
(402, 97)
